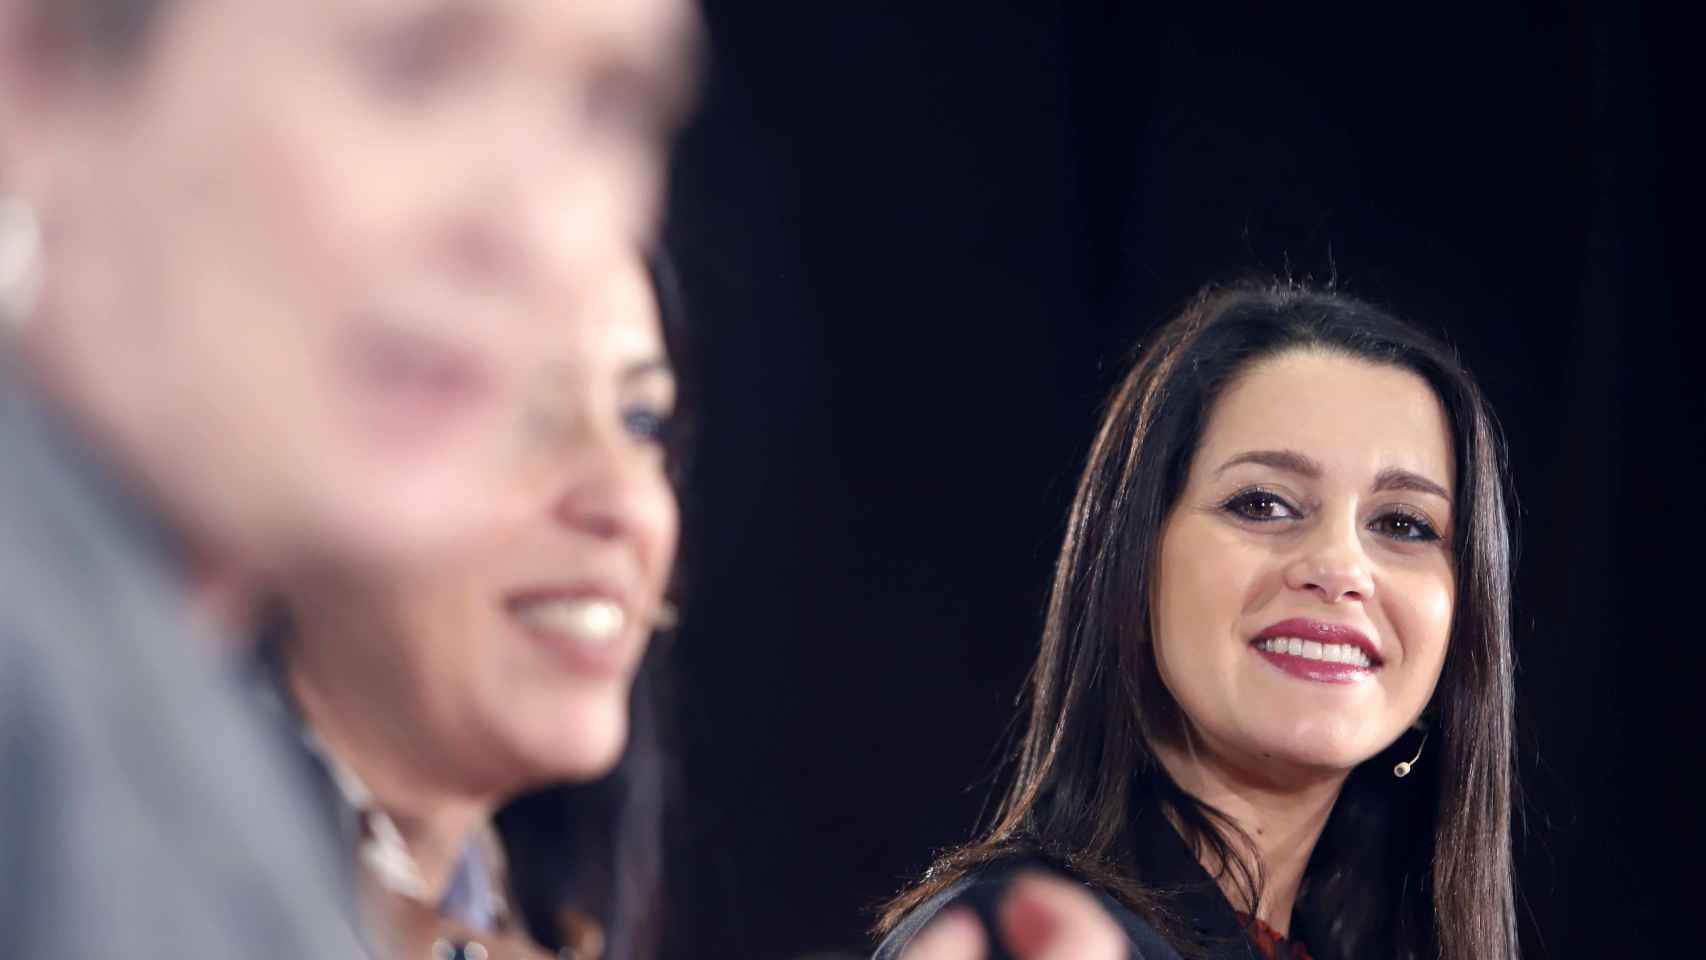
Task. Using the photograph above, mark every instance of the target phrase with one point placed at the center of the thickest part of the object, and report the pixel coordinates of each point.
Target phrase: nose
(1332, 564)
(614, 489)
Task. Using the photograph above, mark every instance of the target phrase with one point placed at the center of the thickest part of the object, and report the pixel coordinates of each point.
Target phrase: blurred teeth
(591, 621)
(1314, 650)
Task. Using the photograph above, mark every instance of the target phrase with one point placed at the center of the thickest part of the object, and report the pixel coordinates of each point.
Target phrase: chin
(1325, 746)
(1317, 758)
(578, 744)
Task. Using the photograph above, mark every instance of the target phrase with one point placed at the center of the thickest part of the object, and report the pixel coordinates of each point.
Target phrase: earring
(1401, 769)
(20, 260)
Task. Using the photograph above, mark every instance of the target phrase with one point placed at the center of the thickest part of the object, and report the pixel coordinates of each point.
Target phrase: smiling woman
(1284, 587)
(515, 677)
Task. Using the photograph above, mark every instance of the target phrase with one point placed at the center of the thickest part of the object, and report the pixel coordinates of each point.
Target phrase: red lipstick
(1319, 651)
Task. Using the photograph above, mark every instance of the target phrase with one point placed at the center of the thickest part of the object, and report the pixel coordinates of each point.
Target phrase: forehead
(635, 26)
(1354, 417)
(618, 317)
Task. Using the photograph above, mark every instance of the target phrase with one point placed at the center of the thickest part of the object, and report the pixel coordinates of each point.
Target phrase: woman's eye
(647, 426)
(1259, 505)
(1406, 527)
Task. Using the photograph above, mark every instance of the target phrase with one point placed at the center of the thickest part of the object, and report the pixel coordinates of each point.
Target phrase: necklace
(380, 845)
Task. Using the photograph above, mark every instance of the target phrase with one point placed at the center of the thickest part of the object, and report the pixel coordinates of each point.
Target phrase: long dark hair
(597, 848)
(1403, 869)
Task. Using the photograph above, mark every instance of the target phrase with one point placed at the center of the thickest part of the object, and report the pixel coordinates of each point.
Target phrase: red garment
(1270, 943)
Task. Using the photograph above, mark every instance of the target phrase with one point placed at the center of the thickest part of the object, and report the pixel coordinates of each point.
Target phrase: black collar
(1165, 862)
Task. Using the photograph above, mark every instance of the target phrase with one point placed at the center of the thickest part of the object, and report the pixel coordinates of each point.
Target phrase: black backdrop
(919, 238)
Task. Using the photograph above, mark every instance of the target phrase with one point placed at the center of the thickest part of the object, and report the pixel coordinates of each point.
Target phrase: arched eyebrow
(1291, 461)
(656, 366)
(1393, 478)
(1288, 460)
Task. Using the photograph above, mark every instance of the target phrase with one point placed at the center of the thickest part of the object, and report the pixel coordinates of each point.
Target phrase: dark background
(919, 239)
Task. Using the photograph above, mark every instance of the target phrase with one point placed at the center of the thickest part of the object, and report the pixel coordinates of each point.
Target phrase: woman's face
(1306, 587)
(511, 664)
(305, 260)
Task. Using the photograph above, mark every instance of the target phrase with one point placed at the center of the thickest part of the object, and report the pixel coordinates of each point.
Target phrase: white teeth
(591, 620)
(1314, 650)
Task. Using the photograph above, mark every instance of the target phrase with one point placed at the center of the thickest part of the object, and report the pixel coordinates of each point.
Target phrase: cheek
(1196, 594)
(1422, 613)
(1208, 578)
(666, 536)
(316, 227)
(354, 194)
(449, 634)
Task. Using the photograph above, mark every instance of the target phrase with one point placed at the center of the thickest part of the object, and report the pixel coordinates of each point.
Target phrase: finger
(955, 935)
(1048, 918)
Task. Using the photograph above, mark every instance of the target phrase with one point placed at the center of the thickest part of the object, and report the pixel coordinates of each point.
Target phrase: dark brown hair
(1410, 869)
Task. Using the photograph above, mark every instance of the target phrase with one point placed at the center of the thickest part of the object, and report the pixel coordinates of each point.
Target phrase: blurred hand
(1041, 918)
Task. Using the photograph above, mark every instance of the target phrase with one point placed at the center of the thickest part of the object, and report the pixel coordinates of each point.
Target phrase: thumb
(1050, 918)
(955, 935)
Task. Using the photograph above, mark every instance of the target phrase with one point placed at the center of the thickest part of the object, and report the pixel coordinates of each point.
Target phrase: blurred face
(305, 261)
(1305, 591)
(510, 664)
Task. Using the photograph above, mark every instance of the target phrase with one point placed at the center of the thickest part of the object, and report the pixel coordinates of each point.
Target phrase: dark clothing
(144, 812)
(1164, 863)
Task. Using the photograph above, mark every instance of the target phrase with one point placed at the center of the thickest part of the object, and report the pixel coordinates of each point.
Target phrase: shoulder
(137, 779)
(982, 889)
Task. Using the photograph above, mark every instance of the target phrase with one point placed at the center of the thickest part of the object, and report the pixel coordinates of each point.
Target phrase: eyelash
(646, 425)
(1424, 531)
(1240, 505)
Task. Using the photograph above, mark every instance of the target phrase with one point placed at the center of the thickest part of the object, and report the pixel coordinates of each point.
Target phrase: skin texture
(305, 262)
(450, 703)
(1333, 539)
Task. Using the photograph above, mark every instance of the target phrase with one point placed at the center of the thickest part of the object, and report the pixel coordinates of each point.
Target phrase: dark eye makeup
(1261, 506)
(1405, 525)
(1258, 505)
(646, 424)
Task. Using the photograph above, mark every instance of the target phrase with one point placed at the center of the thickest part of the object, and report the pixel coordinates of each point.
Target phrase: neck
(1283, 819)
(437, 816)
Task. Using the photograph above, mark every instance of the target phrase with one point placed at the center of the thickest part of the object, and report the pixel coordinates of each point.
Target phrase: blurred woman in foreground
(274, 280)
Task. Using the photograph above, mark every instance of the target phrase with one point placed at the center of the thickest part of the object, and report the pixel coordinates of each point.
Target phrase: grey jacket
(145, 812)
